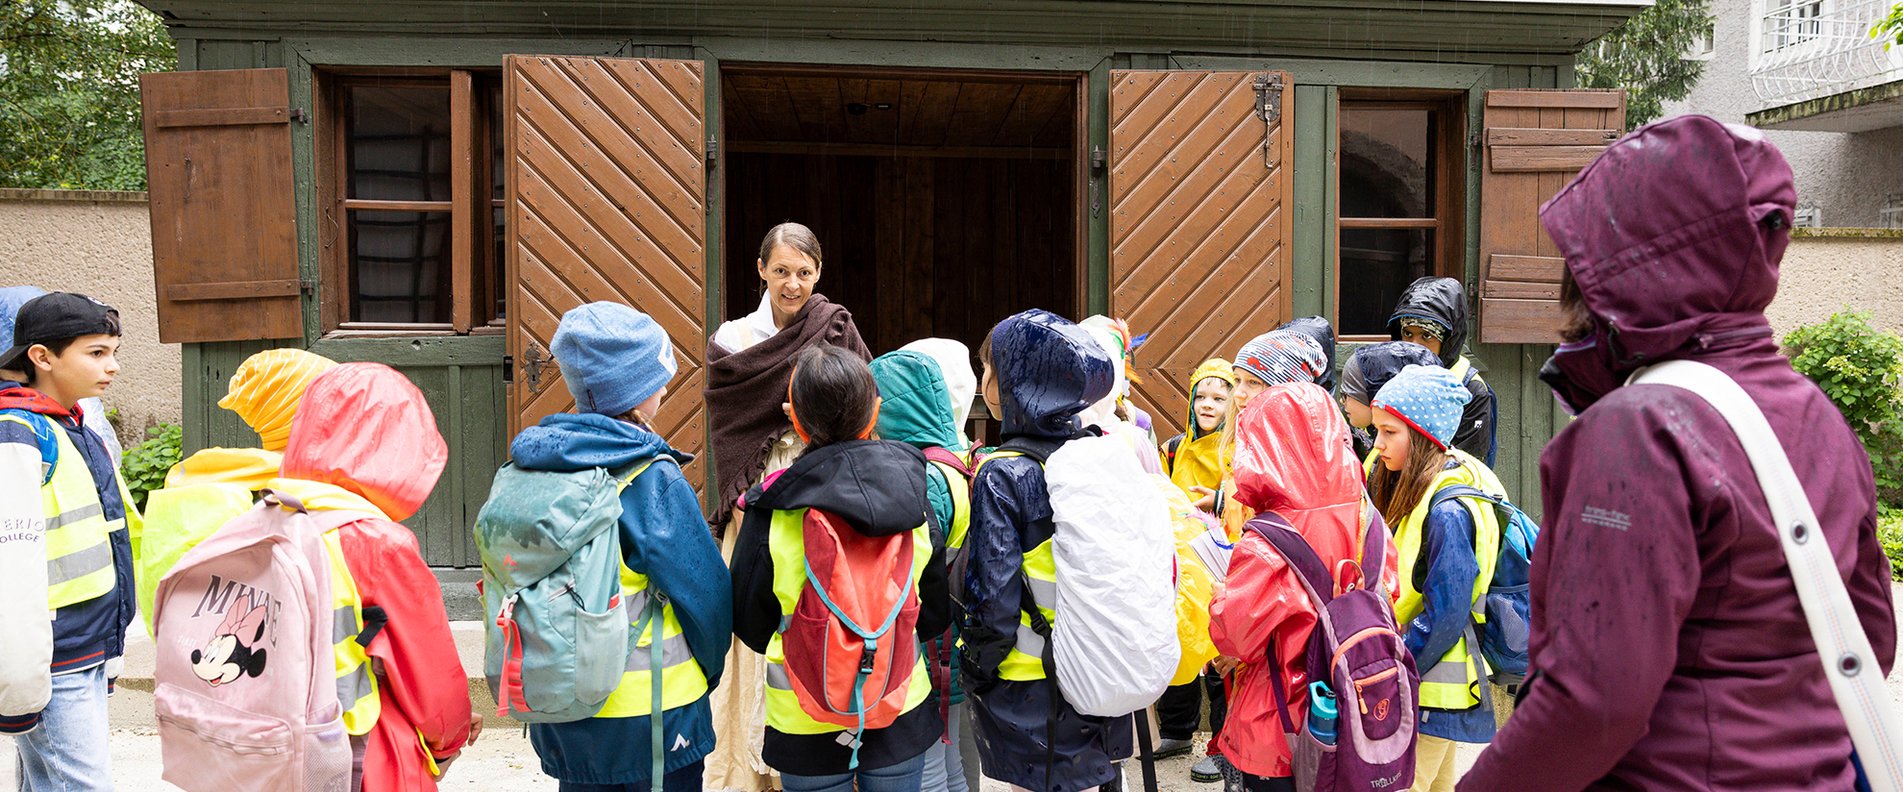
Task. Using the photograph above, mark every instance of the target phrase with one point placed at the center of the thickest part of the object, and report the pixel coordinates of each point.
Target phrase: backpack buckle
(866, 659)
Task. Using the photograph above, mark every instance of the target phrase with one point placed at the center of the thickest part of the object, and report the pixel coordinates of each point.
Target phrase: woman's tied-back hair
(1397, 493)
(833, 395)
(795, 236)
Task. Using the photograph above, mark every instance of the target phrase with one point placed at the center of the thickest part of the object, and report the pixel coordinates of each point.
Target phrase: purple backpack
(1357, 652)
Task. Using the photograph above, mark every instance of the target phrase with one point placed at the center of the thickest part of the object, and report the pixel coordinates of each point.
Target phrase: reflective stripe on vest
(682, 680)
(356, 684)
(961, 505)
(1453, 682)
(786, 544)
(78, 535)
(1025, 661)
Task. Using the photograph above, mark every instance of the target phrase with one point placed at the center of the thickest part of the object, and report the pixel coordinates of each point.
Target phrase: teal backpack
(557, 638)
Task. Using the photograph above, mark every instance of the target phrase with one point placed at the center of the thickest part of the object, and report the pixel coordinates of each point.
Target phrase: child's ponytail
(833, 396)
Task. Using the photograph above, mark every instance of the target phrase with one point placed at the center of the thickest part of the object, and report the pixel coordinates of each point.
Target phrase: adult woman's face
(790, 276)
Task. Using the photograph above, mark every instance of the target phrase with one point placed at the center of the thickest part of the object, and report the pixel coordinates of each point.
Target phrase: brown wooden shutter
(607, 201)
(1536, 142)
(1199, 223)
(224, 231)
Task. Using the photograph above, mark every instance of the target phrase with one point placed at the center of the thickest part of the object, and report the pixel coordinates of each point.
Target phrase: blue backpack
(1503, 636)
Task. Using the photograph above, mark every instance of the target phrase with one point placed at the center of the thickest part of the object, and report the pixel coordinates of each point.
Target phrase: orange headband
(794, 414)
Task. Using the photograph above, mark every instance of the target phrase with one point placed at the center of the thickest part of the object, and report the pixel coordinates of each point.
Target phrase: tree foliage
(69, 92)
(1890, 28)
(1646, 56)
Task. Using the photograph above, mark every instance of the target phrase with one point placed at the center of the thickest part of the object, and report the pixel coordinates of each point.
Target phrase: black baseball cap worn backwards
(54, 317)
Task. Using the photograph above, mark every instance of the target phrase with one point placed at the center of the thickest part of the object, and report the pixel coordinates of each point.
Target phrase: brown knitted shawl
(745, 390)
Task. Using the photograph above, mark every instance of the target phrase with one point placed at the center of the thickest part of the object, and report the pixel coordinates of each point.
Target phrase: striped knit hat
(1279, 357)
(1428, 398)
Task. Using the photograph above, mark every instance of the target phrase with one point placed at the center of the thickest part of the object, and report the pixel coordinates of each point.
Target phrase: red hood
(364, 427)
(1669, 237)
(1293, 458)
(30, 400)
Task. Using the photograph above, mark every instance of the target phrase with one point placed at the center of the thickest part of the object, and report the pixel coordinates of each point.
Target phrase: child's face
(83, 371)
(1414, 335)
(652, 405)
(1358, 413)
(1391, 440)
(990, 391)
(1211, 401)
(1247, 386)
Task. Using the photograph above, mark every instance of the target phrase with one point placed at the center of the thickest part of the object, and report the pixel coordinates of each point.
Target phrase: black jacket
(1444, 301)
(878, 488)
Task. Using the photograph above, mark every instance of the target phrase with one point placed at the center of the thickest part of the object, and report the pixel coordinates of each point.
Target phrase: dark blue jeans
(905, 776)
(686, 779)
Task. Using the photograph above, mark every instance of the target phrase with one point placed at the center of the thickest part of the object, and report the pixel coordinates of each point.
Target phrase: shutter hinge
(1268, 97)
(508, 369)
(713, 151)
(307, 286)
(299, 115)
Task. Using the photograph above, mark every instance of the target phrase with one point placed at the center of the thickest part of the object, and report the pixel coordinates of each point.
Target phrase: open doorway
(945, 201)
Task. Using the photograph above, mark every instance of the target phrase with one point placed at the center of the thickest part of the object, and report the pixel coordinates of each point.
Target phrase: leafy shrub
(145, 465)
(1861, 369)
(1890, 533)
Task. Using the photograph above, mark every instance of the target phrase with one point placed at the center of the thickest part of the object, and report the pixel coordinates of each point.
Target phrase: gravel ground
(503, 761)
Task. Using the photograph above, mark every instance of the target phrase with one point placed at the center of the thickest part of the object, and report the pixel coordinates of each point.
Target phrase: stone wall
(1828, 269)
(99, 244)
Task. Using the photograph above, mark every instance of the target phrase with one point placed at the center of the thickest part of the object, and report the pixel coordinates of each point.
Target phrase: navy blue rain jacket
(1447, 595)
(1048, 371)
(663, 536)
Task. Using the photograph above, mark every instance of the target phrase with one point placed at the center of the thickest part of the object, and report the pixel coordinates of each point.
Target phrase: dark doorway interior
(944, 201)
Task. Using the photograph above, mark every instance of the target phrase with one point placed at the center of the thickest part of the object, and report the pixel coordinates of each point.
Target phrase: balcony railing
(1812, 48)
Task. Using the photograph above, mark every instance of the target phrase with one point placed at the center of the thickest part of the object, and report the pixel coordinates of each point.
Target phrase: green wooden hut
(429, 184)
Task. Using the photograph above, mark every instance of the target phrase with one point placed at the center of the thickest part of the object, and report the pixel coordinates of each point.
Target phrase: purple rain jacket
(1668, 647)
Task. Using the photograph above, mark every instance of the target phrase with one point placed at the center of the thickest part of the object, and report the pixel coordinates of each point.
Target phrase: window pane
(1386, 167)
(499, 270)
(1376, 264)
(398, 142)
(399, 267)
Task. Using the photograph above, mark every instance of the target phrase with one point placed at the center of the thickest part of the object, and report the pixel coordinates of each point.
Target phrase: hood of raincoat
(916, 408)
(1323, 333)
(1212, 368)
(876, 486)
(1372, 366)
(266, 388)
(1689, 208)
(568, 441)
(954, 364)
(1440, 300)
(1293, 458)
(365, 428)
(1049, 370)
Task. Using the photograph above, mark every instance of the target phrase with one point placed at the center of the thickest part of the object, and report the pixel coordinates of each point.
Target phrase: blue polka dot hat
(1428, 398)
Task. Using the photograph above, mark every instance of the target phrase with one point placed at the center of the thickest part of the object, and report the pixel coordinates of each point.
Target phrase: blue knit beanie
(1428, 398)
(613, 357)
(1279, 357)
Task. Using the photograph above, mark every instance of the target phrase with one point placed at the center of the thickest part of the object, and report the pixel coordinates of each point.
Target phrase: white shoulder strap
(1856, 680)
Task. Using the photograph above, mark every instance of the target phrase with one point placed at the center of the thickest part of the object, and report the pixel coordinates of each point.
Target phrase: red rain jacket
(1293, 459)
(1669, 650)
(365, 428)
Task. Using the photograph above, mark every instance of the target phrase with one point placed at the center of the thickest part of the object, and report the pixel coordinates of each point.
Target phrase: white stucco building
(1829, 96)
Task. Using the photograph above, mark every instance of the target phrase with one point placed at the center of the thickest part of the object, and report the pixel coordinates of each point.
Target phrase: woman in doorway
(749, 362)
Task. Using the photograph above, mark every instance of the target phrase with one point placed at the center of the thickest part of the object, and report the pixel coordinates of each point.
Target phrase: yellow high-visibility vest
(79, 563)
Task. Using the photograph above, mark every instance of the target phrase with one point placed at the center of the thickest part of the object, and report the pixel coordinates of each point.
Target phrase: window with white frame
(1891, 215)
(1702, 46)
(1808, 216)
(1788, 23)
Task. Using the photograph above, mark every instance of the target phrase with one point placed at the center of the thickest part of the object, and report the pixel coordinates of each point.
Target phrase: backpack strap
(622, 481)
(1849, 664)
(1301, 558)
(1038, 448)
(652, 618)
(1169, 453)
(1374, 547)
(946, 457)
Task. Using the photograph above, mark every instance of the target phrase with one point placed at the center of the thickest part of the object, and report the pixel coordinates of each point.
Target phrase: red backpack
(851, 642)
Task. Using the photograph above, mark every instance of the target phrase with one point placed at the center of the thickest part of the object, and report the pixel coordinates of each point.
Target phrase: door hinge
(1268, 97)
(307, 286)
(713, 151)
(508, 369)
(1099, 162)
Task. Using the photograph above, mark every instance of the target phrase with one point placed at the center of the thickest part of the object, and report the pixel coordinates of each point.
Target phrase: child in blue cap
(1447, 552)
(616, 362)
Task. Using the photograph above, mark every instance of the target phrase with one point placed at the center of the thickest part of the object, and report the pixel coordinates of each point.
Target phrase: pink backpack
(245, 681)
